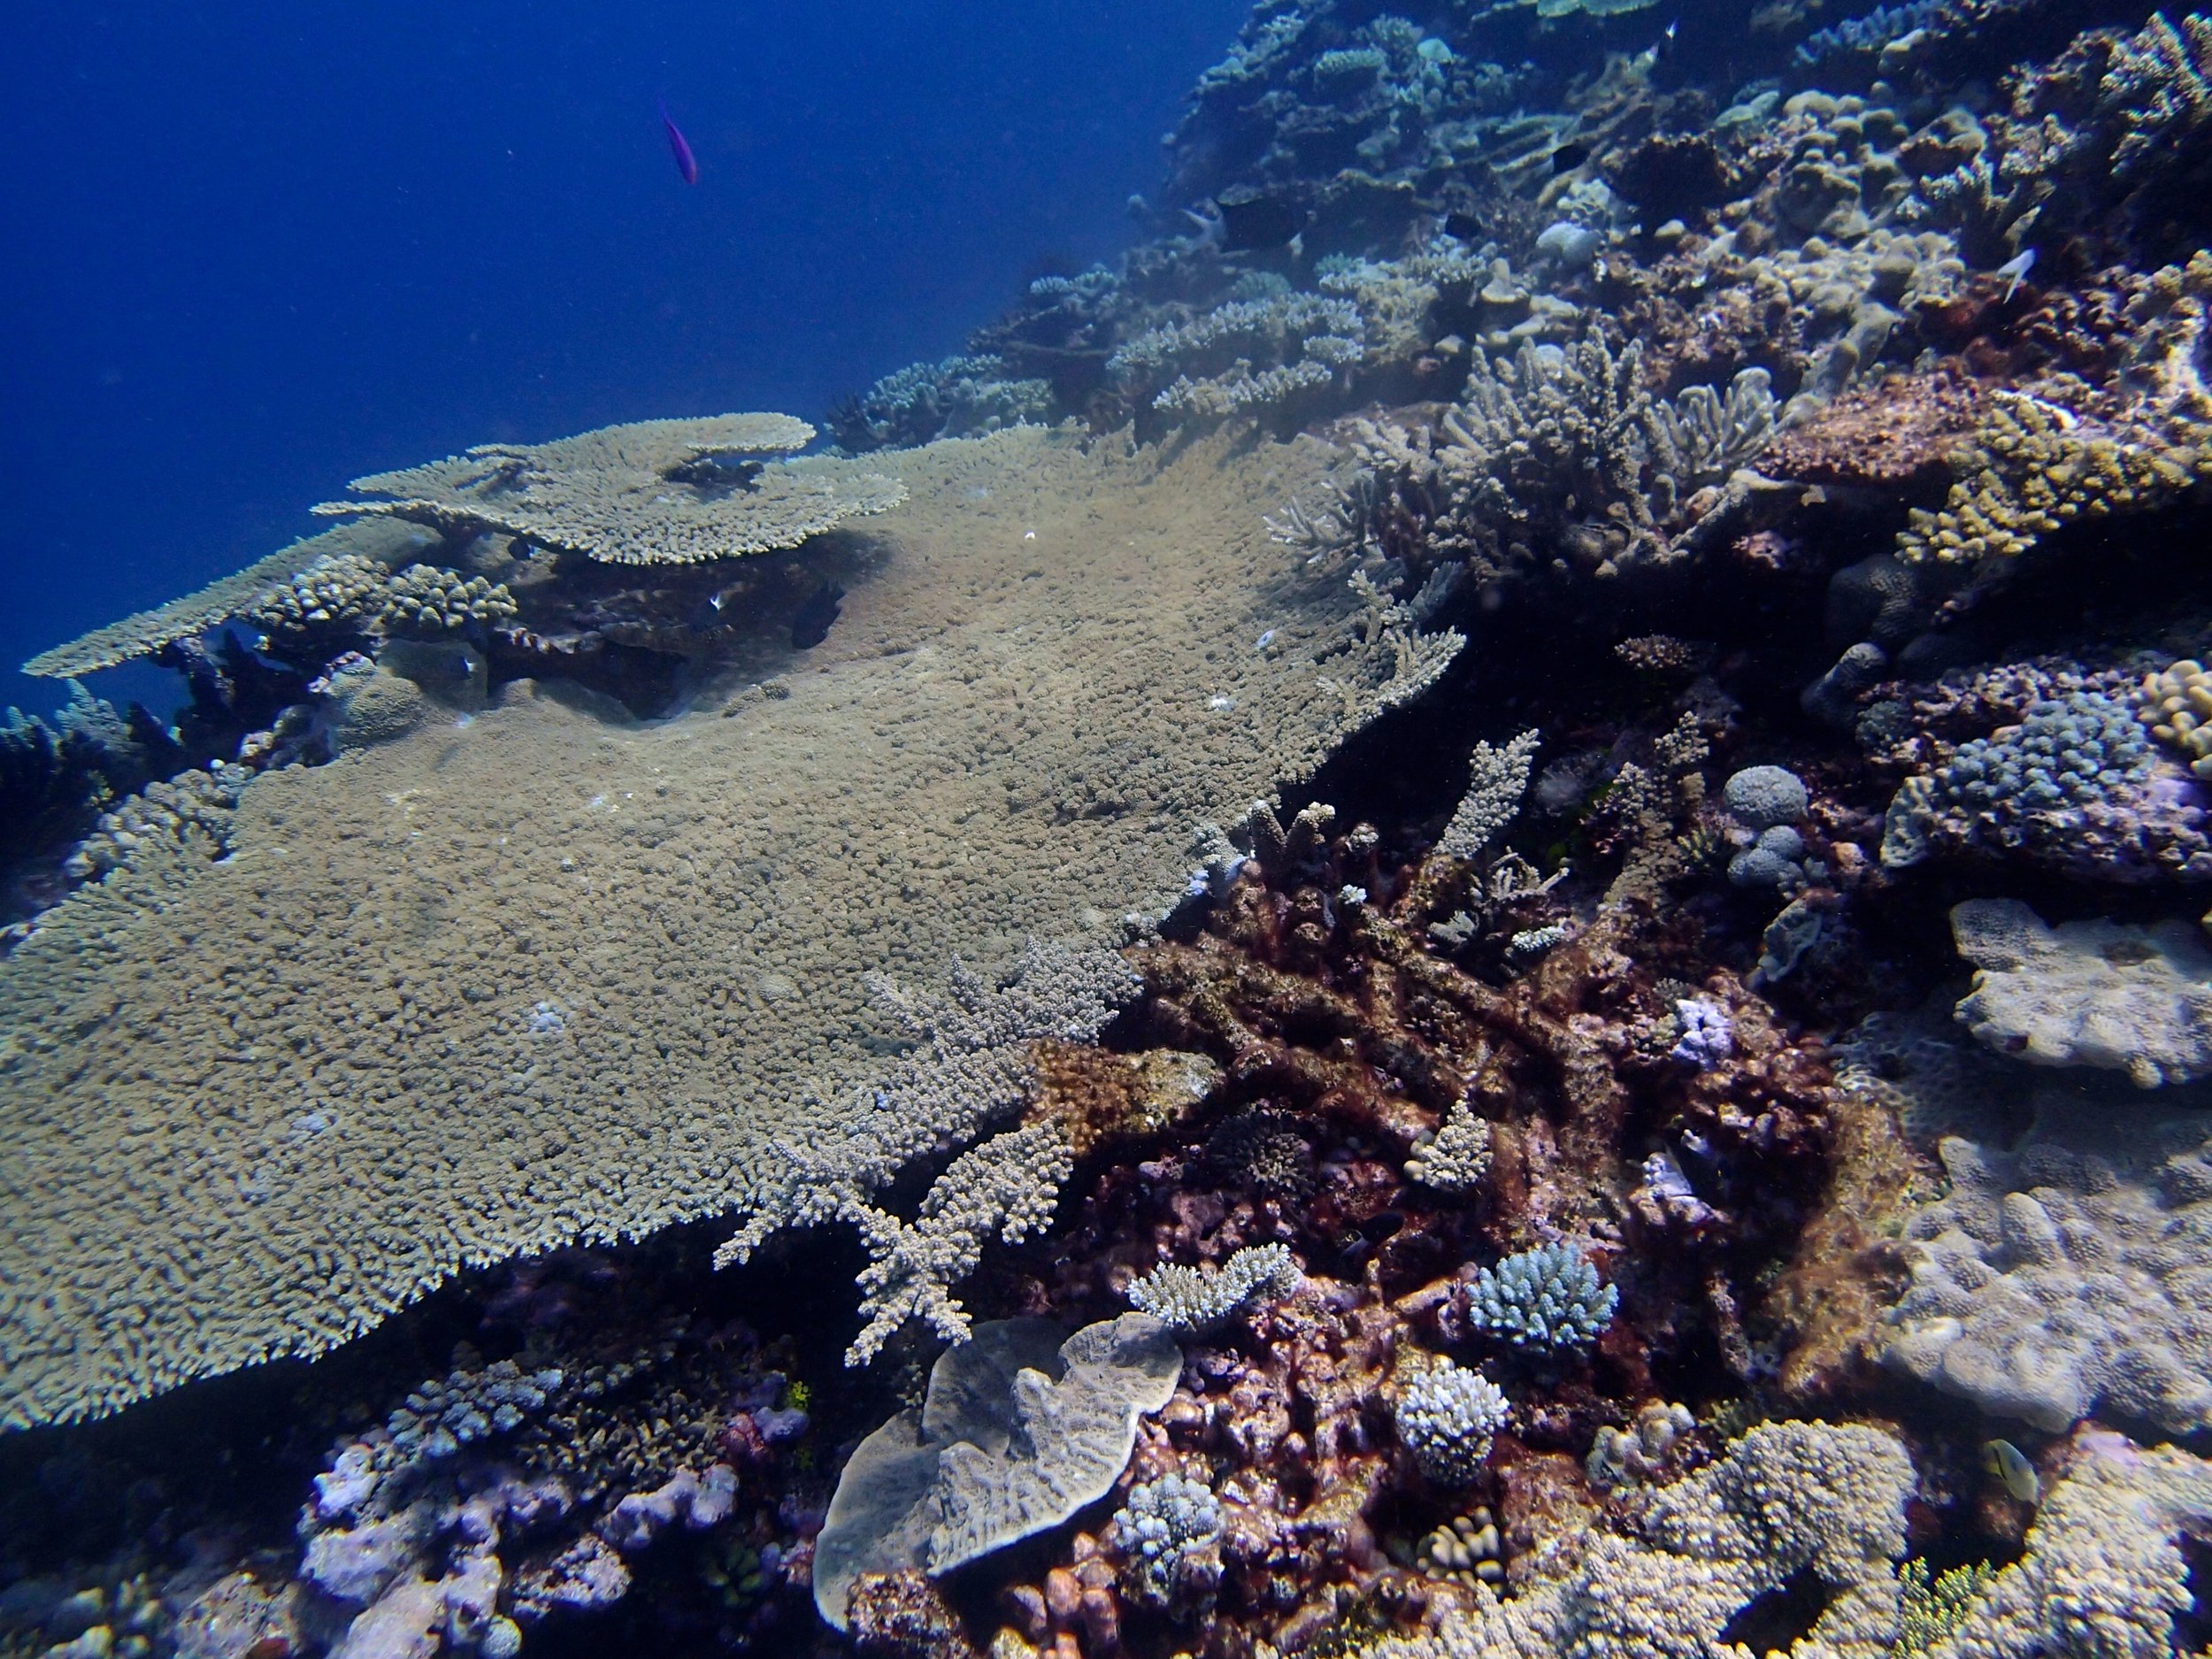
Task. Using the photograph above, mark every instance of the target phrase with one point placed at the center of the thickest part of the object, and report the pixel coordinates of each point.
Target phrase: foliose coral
(1544, 1300)
(1446, 1417)
(1022, 1426)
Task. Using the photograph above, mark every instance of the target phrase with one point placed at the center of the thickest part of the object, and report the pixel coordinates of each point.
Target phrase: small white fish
(2015, 268)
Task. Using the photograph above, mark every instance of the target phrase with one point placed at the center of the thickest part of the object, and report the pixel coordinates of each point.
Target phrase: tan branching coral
(2036, 465)
(1817, 1498)
(425, 600)
(650, 493)
(371, 542)
(1561, 449)
(481, 992)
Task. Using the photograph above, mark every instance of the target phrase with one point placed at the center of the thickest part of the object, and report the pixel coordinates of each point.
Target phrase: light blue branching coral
(2031, 786)
(1170, 1527)
(1863, 38)
(441, 1417)
(1189, 1299)
(1447, 1417)
(1545, 1299)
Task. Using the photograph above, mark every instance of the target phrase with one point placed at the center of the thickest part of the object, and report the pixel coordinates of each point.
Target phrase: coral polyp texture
(649, 492)
(705, 899)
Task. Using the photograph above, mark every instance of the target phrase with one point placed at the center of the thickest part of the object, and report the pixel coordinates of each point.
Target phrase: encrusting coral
(2096, 994)
(2063, 1278)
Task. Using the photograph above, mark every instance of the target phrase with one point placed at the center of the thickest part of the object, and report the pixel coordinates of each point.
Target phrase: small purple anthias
(687, 162)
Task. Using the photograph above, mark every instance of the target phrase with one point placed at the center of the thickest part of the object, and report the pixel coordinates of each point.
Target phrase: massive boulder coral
(652, 492)
(2068, 1277)
(478, 992)
(2137, 1000)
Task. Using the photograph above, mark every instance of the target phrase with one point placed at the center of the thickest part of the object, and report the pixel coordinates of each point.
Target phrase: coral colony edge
(1464, 919)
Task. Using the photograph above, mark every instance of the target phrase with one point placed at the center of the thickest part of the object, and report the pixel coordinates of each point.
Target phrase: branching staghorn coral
(1248, 353)
(1497, 778)
(972, 1065)
(2159, 91)
(1187, 1299)
(652, 492)
(1007, 1185)
(1561, 451)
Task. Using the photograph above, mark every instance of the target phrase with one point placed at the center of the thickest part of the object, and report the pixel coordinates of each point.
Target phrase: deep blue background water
(253, 250)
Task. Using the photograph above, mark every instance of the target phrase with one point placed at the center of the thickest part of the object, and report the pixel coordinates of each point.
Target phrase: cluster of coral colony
(1688, 1135)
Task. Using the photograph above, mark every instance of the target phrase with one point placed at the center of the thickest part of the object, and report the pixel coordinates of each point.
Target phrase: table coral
(650, 492)
(712, 862)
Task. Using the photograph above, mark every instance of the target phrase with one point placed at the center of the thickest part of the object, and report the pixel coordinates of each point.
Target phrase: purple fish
(687, 162)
